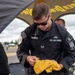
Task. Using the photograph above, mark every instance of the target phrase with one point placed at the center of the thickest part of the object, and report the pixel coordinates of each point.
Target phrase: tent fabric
(9, 9)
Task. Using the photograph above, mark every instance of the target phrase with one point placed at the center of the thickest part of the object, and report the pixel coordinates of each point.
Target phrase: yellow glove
(41, 65)
(55, 66)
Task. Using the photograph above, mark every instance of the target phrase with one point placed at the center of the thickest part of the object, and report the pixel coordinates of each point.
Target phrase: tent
(9, 9)
(57, 9)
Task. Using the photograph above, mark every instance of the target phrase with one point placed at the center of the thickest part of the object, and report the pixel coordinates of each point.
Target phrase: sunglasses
(43, 23)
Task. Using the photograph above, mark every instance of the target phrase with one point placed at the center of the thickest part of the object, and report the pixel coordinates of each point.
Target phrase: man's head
(40, 10)
(61, 22)
(41, 16)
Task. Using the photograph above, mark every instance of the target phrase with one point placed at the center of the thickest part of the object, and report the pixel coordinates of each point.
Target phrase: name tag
(55, 40)
(34, 37)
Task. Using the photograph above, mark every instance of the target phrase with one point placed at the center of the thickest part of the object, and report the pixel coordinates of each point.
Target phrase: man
(4, 68)
(45, 40)
(61, 22)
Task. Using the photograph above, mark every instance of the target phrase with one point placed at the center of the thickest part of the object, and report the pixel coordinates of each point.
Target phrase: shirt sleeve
(68, 47)
(23, 49)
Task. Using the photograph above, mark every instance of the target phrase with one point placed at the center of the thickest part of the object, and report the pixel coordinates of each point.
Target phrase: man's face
(60, 22)
(42, 23)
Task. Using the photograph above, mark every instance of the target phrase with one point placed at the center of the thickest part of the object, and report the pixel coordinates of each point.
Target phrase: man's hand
(61, 66)
(31, 60)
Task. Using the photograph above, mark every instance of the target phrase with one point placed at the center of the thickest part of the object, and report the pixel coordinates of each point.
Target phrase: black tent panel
(9, 9)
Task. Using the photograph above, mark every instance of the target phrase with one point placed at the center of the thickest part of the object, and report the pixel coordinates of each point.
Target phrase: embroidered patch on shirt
(70, 42)
(20, 40)
(55, 40)
(34, 37)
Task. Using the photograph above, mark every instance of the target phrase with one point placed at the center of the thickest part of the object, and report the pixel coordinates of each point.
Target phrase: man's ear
(50, 16)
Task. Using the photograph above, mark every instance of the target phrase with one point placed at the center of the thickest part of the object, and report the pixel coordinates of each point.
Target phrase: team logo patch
(20, 40)
(69, 38)
(70, 42)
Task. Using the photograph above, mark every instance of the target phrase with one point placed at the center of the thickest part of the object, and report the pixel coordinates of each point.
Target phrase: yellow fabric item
(49, 69)
(41, 65)
(55, 66)
(47, 65)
